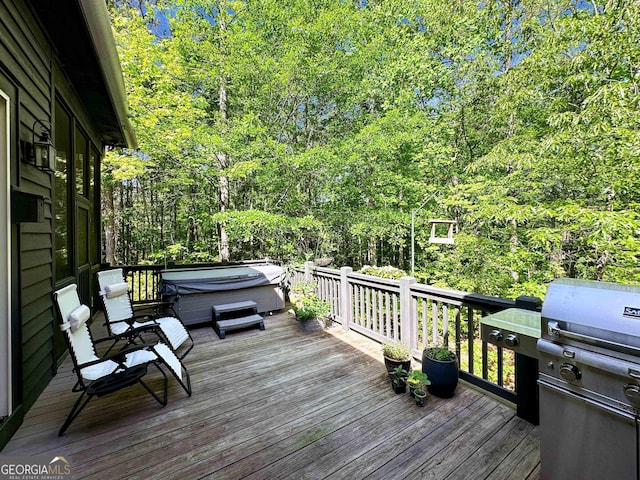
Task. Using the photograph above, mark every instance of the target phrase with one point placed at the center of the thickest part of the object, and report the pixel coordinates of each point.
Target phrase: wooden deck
(282, 404)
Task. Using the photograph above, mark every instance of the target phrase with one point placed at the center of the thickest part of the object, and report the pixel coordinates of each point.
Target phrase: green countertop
(518, 320)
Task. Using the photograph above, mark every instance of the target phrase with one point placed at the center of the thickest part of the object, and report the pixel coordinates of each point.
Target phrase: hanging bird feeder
(438, 228)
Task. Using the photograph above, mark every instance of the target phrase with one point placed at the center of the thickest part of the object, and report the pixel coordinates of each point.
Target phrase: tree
(300, 129)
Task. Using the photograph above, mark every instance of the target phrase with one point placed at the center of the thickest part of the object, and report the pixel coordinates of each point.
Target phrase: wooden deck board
(281, 404)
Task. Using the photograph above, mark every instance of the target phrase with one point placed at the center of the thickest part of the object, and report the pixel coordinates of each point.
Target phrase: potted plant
(396, 354)
(420, 389)
(416, 380)
(309, 309)
(441, 367)
(398, 377)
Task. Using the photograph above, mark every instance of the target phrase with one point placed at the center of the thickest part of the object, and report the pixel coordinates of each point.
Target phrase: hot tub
(196, 290)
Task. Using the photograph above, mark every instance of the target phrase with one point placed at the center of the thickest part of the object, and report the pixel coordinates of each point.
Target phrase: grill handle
(554, 330)
(587, 400)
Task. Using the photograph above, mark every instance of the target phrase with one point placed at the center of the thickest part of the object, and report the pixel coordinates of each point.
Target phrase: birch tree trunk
(109, 223)
(223, 160)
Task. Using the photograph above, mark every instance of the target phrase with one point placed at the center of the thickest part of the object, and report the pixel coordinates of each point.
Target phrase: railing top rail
(376, 282)
(327, 272)
(168, 266)
(474, 300)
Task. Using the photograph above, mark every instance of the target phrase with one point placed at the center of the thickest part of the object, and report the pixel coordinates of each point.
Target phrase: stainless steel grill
(589, 378)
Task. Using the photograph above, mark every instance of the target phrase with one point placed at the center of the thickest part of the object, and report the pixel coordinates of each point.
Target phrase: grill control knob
(570, 373)
(512, 340)
(495, 336)
(632, 392)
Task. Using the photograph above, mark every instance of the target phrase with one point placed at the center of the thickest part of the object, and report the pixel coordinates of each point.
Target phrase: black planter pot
(420, 397)
(399, 387)
(442, 374)
(392, 363)
(309, 325)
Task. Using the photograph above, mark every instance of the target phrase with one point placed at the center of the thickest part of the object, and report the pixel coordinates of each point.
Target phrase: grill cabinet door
(583, 439)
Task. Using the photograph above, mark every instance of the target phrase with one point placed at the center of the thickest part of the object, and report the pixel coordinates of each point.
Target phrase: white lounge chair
(98, 376)
(122, 320)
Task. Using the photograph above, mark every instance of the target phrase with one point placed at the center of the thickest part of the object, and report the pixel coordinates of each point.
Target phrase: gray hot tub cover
(201, 280)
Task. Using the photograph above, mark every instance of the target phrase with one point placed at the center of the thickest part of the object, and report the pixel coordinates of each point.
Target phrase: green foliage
(398, 376)
(291, 135)
(383, 272)
(418, 380)
(396, 351)
(442, 354)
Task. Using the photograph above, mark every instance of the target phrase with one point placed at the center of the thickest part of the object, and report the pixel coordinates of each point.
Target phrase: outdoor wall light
(43, 152)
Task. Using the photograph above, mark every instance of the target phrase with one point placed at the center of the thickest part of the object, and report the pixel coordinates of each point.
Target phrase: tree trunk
(513, 247)
(373, 252)
(223, 159)
(224, 181)
(109, 223)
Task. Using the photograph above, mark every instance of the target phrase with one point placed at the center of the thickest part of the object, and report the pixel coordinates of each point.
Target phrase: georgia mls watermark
(37, 467)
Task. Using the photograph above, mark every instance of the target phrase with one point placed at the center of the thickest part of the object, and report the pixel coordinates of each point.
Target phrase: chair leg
(75, 411)
(162, 401)
(187, 388)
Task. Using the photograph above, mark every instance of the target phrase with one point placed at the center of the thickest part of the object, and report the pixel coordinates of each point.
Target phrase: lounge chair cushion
(116, 289)
(78, 317)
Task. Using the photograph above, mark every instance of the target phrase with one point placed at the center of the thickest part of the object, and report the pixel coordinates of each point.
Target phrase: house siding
(28, 65)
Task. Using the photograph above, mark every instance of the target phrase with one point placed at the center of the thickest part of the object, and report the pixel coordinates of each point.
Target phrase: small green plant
(419, 390)
(418, 380)
(396, 351)
(442, 354)
(398, 376)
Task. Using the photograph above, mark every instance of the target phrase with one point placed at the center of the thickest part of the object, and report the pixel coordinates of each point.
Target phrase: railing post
(346, 299)
(408, 323)
(308, 271)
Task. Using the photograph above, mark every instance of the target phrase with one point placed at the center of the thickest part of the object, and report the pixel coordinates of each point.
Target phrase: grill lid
(593, 312)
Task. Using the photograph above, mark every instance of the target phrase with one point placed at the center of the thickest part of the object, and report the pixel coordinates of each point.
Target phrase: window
(80, 162)
(61, 200)
(94, 231)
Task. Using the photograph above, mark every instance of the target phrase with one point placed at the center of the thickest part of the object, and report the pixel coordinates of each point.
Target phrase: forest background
(304, 129)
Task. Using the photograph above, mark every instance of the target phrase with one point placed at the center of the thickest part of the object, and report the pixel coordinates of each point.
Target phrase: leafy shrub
(389, 272)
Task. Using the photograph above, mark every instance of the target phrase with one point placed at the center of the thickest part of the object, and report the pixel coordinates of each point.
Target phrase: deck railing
(403, 310)
(422, 315)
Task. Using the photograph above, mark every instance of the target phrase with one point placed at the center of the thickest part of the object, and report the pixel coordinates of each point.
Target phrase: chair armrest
(110, 338)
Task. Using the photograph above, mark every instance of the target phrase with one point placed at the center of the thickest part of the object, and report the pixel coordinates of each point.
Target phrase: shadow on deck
(279, 403)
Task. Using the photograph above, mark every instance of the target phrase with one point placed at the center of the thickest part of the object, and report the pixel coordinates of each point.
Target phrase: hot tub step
(221, 326)
(231, 310)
